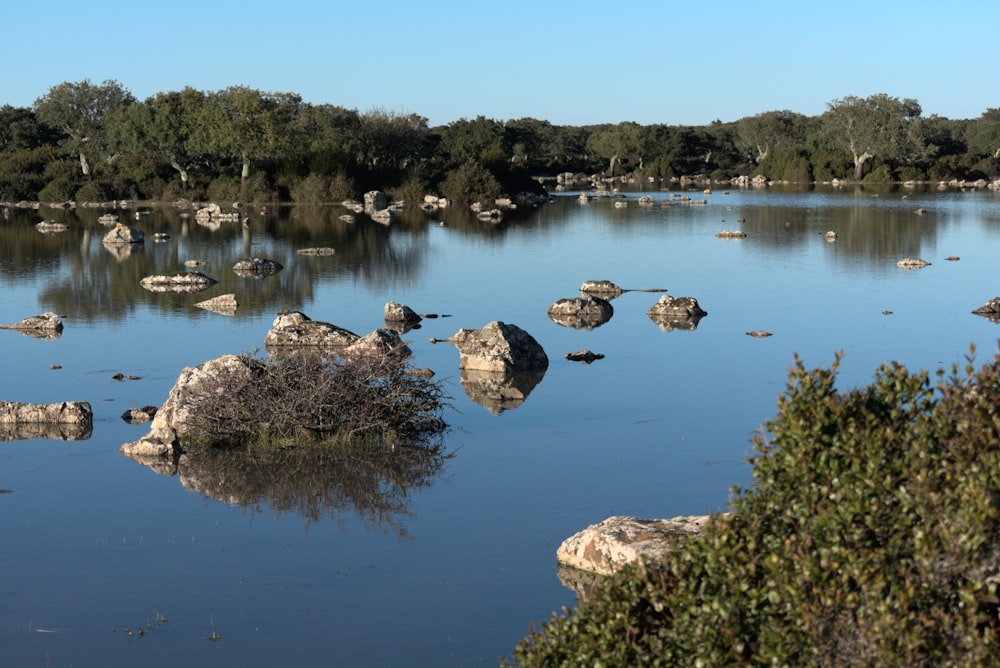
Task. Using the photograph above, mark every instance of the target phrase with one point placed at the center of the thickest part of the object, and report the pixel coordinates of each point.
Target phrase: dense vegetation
(96, 142)
(309, 397)
(871, 537)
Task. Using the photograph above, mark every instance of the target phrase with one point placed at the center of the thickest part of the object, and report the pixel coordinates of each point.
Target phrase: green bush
(472, 182)
(871, 537)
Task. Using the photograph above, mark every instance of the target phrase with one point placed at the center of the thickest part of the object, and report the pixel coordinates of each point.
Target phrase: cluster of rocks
(213, 213)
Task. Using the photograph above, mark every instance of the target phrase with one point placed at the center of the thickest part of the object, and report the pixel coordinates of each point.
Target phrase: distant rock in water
(990, 310)
(672, 313)
(183, 281)
(123, 234)
(499, 347)
(256, 267)
(912, 263)
(603, 288)
(43, 326)
(585, 313)
(223, 304)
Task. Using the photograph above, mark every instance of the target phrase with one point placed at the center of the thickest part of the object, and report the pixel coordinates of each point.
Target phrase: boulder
(606, 547)
(990, 310)
(123, 234)
(67, 412)
(223, 304)
(316, 251)
(399, 313)
(381, 341)
(586, 356)
(139, 415)
(182, 281)
(586, 312)
(676, 313)
(171, 420)
(51, 227)
(499, 347)
(606, 289)
(912, 263)
(45, 325)
(254, 267)
(293, 328)
(374, 201)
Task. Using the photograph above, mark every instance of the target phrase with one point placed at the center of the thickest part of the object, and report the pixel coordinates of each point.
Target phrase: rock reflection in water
(497, 391)
(376, 482)
(55, 431)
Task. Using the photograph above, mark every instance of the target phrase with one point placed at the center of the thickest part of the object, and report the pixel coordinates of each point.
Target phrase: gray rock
(676, 313)
(399, 313)
(223, 304)
(51, 227)
(606, 547)
(374, 202)
(123, 234)
(604, 288)
(381, 341)
(44, 322)
(67, 412)
(293, 328)
(139, 415)
(990, 310)
(182, 281)
(256, 267)
(586, 312)
(499, 347)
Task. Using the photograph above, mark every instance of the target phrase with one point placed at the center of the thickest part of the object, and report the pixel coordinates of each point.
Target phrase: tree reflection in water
(375, 482)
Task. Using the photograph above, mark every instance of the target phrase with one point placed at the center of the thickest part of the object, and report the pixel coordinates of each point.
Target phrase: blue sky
(571, 63)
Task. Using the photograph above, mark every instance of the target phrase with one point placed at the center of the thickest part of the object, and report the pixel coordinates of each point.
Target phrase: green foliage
(472, 182)
(871, 537)
(880, 174)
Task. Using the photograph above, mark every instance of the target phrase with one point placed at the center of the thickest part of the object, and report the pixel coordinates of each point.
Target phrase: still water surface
(444, 560)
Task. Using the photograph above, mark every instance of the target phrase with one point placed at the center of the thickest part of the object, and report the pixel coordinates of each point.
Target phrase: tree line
(97, 142)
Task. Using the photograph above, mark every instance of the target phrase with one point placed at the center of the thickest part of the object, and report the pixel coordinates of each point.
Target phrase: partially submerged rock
(990, 310)
(731, 234)
(139, 415)
(912, 263)
(223, 304)
(123, 234)
(758, 333)
(400, 313)
(294, 328)
(586, 312)
(676, 313)
(316, 251)
(607, 289)
(42, 326)
(66, 421)
(254, 267)
(182, 281)
(606, 547)
(171, 420)
(499, 347)
(585, 356)
(51, 227)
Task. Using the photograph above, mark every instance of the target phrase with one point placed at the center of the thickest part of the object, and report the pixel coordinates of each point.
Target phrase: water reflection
(54, 431)
(496, 391)
(373, 482)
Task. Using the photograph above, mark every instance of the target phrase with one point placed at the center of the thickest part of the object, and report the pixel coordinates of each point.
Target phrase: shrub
(472, 182)
(306, 397)
(871, 537)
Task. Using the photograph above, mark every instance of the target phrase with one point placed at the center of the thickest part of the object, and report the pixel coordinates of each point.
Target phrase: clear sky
(574, 62)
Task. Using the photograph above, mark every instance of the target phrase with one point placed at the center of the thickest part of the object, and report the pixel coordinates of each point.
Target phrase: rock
(182, 281)
(293, 328)
(374, 201)
(123, 234)
(51, 227)
(398, 313)
(606, 547)
(382, 341)
(68, 412)
(171, 420)
(108, 219)
(586, 312)
(912, 263)
(255, 267)
(44, 325)
(499, 347)
(316, 251)
(953, 258)
(731, 234)
(990, 310)
(584, 356)
(139, 415)
(758, 333)
(605, 288)
(383, 216)
(830, 235)
(676, 313)
(223, 304)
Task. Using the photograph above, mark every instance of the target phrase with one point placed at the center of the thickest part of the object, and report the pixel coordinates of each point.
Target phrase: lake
(444, 557)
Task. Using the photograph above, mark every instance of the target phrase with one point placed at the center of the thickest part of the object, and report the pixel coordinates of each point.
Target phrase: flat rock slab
(606, 547)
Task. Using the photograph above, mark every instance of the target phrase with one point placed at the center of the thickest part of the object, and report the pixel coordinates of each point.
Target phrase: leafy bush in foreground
(871, 537)
(306, 396)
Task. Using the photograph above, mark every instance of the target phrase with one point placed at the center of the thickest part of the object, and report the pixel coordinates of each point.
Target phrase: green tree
(759, 135)
(877, 126)
(21, 130)
(481, 140)
(387, 140)
(531, 141)
(616, 143)
(247, 125)
(163, 126)
(80, 110)
(329, 135)
(984, 134)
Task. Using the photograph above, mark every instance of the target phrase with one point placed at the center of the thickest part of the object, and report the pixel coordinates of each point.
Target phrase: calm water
(444, 560)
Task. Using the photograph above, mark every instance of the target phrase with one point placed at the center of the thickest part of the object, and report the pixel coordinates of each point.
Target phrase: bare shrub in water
(310, 397)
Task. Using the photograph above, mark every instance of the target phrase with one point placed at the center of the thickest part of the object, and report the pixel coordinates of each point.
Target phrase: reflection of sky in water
(659, 427)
